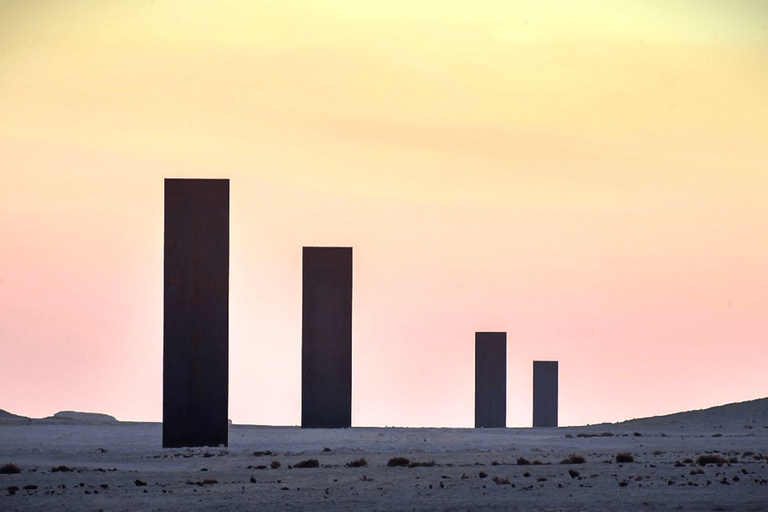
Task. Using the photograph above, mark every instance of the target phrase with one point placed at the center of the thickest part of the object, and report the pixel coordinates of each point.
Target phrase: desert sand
(80, 462)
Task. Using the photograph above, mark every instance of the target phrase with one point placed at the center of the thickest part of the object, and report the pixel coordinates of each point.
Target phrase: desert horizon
(708, 460)
(67, 415)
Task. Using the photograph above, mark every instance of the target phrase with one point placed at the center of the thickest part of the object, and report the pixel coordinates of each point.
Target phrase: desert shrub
(522, 461)
(206, 481)
(710, 458)
(9, 469)
(398, 462)
(573, 459)
(275, 464)
(573, 473)
(261, 454)
(624, 457)
(365, 479)
(309, 463)
(63, 469)
(482, 474)
(500, 481)
(658, 452)
(697, 471)
(495, 463)
(359, 463)
(427, 464)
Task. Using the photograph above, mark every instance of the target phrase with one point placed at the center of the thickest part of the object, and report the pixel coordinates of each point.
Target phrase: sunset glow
(589, 177)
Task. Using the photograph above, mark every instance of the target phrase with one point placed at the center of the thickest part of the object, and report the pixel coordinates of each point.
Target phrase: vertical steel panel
(326, 334)
(490, 379)
(196, 313)
(545, 388)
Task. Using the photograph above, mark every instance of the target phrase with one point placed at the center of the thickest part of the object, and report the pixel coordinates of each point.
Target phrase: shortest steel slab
(490, 379)
(545, 388)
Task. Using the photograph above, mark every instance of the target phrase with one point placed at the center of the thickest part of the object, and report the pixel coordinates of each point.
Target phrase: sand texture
(120, 466)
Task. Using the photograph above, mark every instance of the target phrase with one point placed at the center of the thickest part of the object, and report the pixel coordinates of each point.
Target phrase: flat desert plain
(708, 460)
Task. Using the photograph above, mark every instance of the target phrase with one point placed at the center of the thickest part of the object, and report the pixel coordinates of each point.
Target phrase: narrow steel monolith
(490, 379)
(196, 313)
(326, 338)
(545, 389)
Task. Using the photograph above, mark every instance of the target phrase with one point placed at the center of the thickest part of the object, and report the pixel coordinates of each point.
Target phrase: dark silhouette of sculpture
(545, 388)
(326, 338)
(196, 313)
(490, 379)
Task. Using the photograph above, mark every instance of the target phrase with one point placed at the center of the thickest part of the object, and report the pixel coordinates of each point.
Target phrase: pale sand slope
(655, 481)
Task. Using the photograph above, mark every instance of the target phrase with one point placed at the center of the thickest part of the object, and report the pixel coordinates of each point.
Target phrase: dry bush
(398, 462)
(275, 464)
(9, 469)
(359, 463)
(710, 458)
(624, 457)
(63, 469)
(603, 434)
(206, 481)
(309, 463)
(500, 481)
(573, 459)
(522, 461)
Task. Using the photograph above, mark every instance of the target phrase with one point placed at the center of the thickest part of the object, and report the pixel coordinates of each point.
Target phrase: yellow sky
(573, 172)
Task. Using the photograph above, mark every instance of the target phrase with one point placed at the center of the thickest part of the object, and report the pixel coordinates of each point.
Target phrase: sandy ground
(120, 466)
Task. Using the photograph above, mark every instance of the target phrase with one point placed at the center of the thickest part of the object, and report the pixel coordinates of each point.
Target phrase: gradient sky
(590, 177)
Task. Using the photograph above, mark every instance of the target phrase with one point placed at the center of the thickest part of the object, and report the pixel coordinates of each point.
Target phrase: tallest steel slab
(196, 313)
(326, 338)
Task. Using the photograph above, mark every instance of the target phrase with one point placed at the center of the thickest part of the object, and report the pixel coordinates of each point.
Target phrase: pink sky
(590, 179)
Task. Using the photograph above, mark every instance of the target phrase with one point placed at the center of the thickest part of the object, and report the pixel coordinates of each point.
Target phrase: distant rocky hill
(747, 415)
(7, 417)
(62, 417)
(79, 417)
